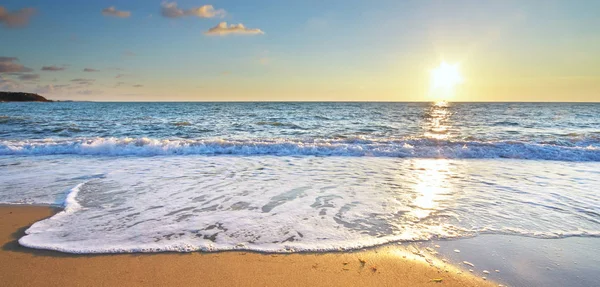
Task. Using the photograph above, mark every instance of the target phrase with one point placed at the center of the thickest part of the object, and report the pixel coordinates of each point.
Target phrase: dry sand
(385, 266)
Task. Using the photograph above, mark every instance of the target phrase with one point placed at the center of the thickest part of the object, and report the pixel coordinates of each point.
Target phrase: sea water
(287, 177)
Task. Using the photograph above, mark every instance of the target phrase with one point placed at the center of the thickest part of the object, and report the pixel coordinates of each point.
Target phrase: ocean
(294, 177)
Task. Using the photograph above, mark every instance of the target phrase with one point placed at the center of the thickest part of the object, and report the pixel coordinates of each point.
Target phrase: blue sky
(305, 50)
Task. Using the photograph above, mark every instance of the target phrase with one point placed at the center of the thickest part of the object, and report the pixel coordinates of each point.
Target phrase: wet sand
(525, 261)
(393, 265)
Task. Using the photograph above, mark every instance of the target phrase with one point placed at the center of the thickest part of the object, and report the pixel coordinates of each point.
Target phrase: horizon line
(350, 101)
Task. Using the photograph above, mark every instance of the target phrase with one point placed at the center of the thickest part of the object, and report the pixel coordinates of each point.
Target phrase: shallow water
(290, 177)
(285, 204)
(525, 261)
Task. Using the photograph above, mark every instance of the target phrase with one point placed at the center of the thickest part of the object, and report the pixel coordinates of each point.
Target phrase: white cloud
(113, 12)
(17, 18)
(170, 10)
(223, 29)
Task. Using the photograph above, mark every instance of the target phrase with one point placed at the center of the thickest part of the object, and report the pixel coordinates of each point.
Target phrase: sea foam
(293, 204)
(356, 147)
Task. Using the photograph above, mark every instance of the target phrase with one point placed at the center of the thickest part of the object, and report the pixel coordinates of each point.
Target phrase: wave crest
(415, 148)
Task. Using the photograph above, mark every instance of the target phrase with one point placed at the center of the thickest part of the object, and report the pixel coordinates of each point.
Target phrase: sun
(446, 76)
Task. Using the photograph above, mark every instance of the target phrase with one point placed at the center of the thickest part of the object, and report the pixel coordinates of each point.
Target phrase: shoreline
(390, 265)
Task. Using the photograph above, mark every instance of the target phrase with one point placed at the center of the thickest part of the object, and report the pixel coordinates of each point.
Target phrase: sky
(270, 50)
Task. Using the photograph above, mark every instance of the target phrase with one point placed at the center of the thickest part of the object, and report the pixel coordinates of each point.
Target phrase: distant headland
(21, 97)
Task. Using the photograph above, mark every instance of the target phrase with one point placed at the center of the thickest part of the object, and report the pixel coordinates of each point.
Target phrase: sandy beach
(278, 143)
(384, 266)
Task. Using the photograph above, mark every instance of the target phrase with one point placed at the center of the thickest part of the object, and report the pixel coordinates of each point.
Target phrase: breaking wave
(354, 147)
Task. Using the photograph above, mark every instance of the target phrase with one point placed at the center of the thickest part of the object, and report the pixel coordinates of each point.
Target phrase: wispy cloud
(223, 29)
(90, 70)
(29, 77)
(138, 86)
(46, 89)
(88, 92)
(81, 81)
(12, 65)
(264, 60)
(113, 12)
(170, 10)
(17, 18)
(8, 84)
(128, 54)
(53, 68)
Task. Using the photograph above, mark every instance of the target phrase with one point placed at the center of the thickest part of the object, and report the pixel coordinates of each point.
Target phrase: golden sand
(385, 266)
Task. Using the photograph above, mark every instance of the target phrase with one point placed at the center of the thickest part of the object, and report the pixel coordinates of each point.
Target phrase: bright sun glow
(445, 76)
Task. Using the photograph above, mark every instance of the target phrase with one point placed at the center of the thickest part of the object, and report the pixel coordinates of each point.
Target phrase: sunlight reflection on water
(438, 121)
(432, 186)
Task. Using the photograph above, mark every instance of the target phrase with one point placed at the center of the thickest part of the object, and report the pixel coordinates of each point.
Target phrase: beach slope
(386, 266)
